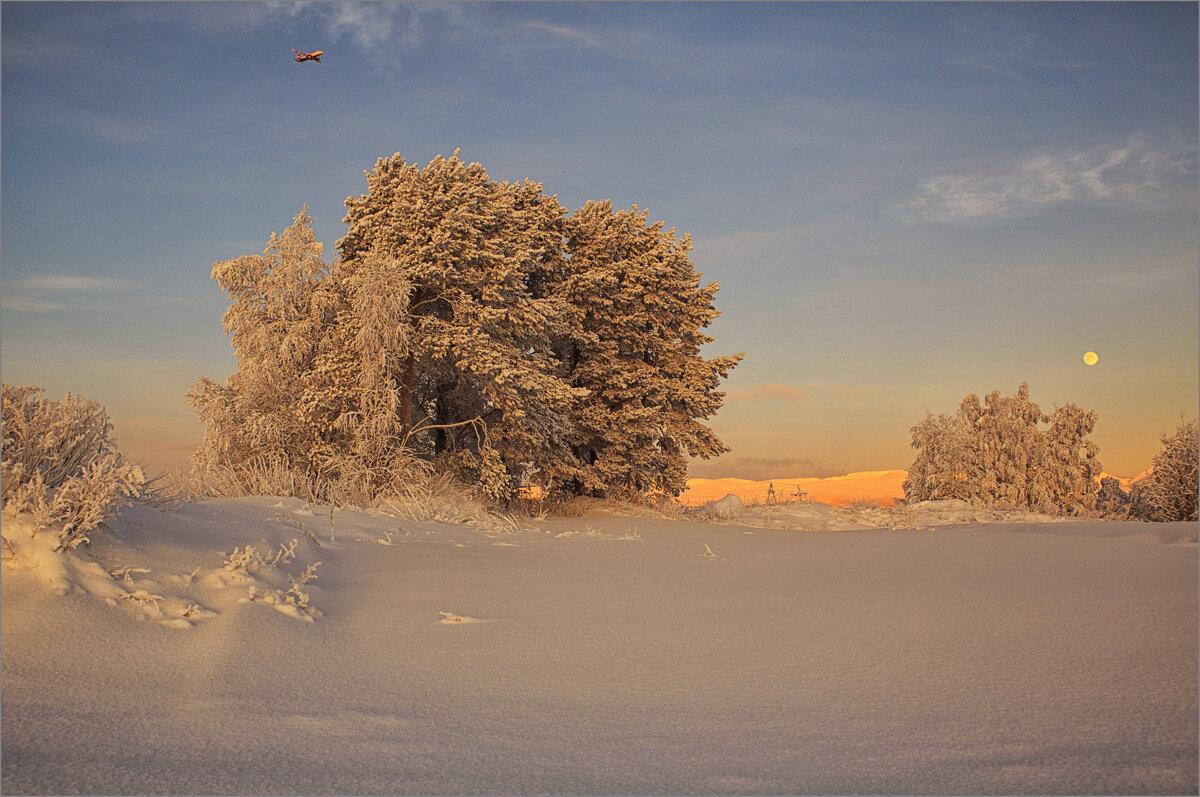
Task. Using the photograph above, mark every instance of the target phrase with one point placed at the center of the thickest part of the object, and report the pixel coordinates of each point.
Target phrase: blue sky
(904, 203)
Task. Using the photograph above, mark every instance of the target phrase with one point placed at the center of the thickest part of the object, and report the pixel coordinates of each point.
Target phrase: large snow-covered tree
(994, 452)
(479, 382)
(635, 347)
(469, 323)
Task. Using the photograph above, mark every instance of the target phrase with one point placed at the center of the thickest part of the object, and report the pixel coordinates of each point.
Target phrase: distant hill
(884, 486)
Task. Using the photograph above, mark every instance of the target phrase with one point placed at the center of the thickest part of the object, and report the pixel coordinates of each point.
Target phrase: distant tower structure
(771, 493)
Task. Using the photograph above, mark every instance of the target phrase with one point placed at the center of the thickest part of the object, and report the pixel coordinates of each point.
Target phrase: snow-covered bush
(1171, 491)
(994, 454)
(59, 464)
(1112, 501)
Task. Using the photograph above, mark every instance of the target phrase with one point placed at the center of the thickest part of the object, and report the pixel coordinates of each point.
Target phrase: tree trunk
(406, 389)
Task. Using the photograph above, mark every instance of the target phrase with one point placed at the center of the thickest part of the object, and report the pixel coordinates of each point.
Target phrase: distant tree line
(1004, 451)
(475, 327)
(995, 453)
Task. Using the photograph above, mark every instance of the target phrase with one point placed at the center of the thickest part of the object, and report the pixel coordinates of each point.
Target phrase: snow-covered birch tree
(994, 453)
(942, 468)
(278, 321)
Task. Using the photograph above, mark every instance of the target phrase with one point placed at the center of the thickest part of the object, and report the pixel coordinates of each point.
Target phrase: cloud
(367, 23)
(1131, 173)
(615, 43)
(68, 283)
(31, 292)
(761, 468)
(573, 35)
(29, 304)
(795, 395)
(372, 24)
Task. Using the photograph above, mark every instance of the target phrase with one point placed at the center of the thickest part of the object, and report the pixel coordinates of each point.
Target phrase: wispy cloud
(794, 395)
(44, 294)
(1132, 173)
(759, 468)
(71, 283)
(368, 23)
(570, 34)
(615, 43)
(29, 304)
(994, 41)
(374, 24)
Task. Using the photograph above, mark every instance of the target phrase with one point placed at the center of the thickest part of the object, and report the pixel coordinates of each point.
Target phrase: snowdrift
(206, 652)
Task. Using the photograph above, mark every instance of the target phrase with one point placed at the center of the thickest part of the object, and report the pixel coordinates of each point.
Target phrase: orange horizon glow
(883, 486)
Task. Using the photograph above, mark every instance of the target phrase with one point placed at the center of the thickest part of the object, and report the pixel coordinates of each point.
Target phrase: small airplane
(315, 55)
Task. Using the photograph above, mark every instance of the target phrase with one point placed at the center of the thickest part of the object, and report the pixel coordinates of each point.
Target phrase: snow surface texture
(599, 655)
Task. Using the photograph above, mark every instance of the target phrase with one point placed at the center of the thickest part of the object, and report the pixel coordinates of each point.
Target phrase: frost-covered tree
(479, 384)
(634, 346)
(278, 316)
(993, 452)
(471, 324)
(1112, 501)
(1171, 492)
(1065, 474)
(1005, 446)
(942, 469)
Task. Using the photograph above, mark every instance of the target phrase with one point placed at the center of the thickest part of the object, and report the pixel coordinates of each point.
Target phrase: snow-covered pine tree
(277, 323)
(1173, 484)
(478, 385)
(639, 310)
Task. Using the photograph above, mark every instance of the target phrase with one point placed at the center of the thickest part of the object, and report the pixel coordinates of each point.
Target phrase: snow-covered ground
(606, 654)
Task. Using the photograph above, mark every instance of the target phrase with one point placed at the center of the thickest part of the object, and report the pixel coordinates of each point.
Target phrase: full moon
(1091, 358)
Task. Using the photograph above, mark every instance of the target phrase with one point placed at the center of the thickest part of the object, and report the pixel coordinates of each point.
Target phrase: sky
(903, 203)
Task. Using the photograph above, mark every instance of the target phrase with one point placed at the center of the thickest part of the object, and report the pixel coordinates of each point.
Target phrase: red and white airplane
(315, 55)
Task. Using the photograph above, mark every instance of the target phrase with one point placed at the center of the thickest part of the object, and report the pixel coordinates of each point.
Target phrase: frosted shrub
(1171, 493)
(1112, 501)
(59, 464)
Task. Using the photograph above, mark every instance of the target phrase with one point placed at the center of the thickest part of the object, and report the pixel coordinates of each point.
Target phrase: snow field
(606, 655)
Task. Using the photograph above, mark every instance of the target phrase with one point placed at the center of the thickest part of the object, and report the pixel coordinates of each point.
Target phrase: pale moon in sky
(1091, 358)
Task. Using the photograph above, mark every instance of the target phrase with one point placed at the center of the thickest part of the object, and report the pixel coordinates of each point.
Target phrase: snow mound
(728, 508)
(122, 571)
